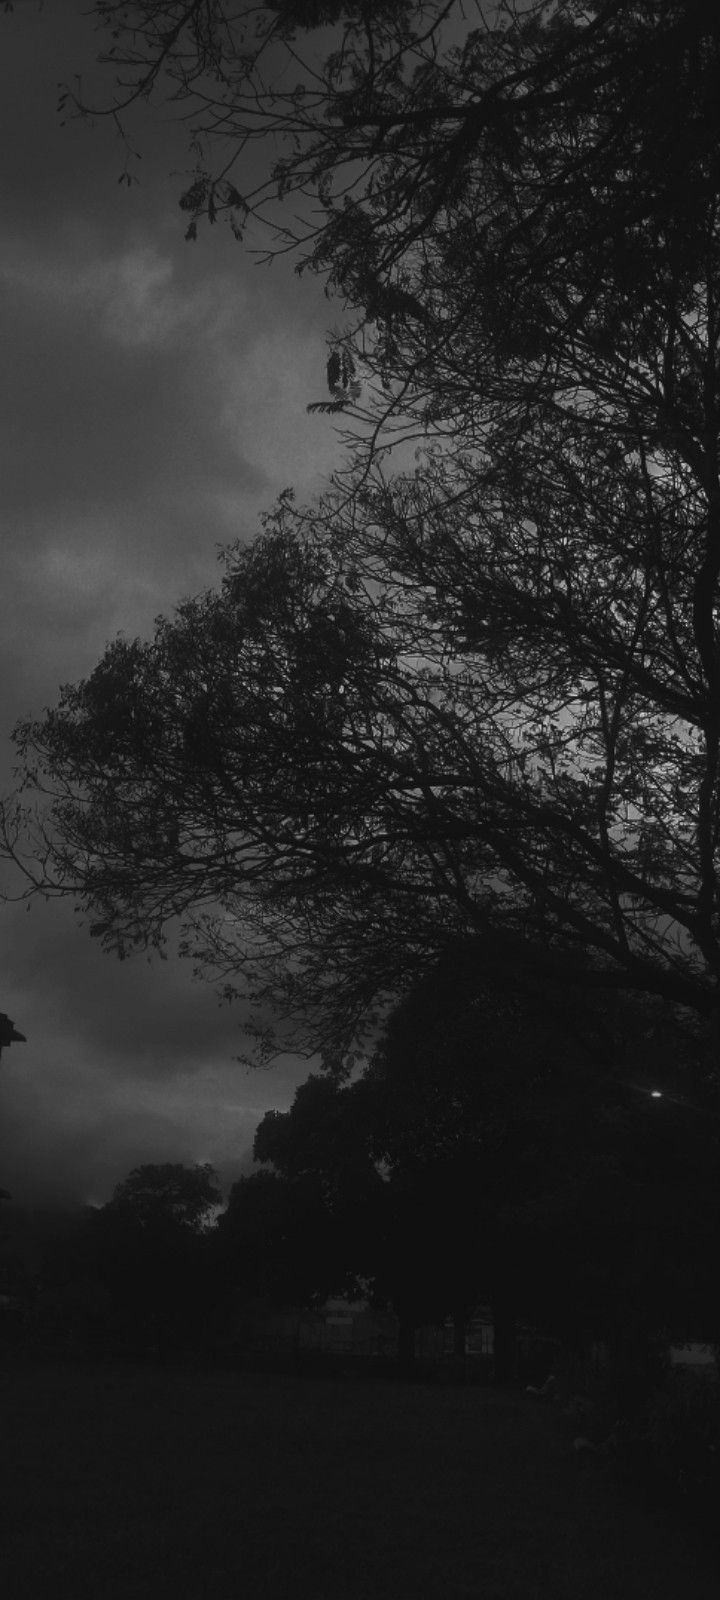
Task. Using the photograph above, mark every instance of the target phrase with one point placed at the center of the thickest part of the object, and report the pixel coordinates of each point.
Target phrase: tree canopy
(502, 1147)
(9, 1033)
(166, 1195)
(478, 696)
(504, 1144)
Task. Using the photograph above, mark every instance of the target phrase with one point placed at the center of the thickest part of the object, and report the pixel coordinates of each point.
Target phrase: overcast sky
(153, 397)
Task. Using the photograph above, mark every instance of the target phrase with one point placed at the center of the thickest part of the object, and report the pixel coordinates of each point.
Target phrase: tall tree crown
(481, 696)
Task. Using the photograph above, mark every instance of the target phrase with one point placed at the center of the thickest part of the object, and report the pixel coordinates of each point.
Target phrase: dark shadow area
(129, 1480)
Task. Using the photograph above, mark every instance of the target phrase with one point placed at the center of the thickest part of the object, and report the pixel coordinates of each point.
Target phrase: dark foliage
(479, 698)
(503, 1144)
(138, 1275)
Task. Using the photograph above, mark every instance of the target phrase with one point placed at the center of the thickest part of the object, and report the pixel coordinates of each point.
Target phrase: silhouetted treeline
(503, 1146)
(518, 1145)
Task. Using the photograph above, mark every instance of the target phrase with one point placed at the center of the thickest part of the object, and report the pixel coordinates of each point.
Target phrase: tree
(503, 1145)
(328, 775)
(308, 1223)
(9, 1033)
(395, 108)
(568, 1193)
(370, 1230)
(481, 698)
(150, 1250)
(521, 160)
(282, 1238)
(167, 1195)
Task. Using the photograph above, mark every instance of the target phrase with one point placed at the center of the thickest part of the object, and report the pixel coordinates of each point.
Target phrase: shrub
(683, 1432)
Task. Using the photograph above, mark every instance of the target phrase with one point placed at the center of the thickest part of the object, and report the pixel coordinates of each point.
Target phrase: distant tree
(151, 1249)
(307, 1224)
(568, 1193)
(9, 1033)
(345, 1226)
(167, 1194)
(277, 1241)
(327, 1135)
(503, 1144)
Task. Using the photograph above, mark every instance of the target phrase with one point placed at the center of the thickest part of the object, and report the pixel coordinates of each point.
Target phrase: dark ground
(133, 1483)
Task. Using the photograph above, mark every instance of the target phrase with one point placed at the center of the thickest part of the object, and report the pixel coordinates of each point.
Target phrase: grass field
(167, 1484)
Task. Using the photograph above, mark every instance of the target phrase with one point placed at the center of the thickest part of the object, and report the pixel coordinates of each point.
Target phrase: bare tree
(481, 697)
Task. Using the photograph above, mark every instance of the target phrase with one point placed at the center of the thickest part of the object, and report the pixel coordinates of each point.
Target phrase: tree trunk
(459, 1343)
(406, 1346)
(505, 1341)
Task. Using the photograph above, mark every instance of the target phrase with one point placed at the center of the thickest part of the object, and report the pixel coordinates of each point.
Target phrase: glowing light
(656, 1094)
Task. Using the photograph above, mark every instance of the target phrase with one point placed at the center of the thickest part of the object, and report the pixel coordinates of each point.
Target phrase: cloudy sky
(153, 397)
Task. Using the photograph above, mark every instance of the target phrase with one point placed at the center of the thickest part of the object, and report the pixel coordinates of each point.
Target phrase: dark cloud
(124, 1062)
(153, 404)
(103, 421)
(91, 1139)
